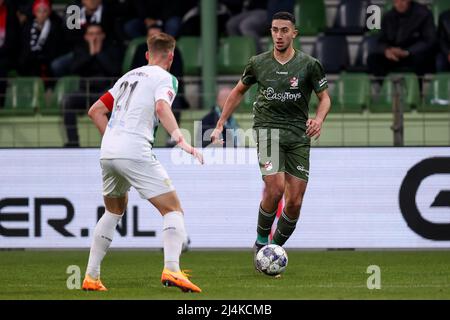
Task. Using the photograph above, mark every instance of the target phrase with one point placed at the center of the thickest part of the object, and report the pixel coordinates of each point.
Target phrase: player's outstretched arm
(169, 122)
(231, 104)
(98, 114)
(314, 126)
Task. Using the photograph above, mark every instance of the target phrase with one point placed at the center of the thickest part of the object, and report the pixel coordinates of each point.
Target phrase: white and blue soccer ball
(186, 244)
(271, 260)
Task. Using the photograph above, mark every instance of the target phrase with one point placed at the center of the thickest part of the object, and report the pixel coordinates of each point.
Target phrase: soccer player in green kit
(286, 78)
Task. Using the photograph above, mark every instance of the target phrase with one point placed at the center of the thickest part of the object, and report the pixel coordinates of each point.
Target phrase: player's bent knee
(274, 193)
(166, 202)
(292, 208)
(116, 205)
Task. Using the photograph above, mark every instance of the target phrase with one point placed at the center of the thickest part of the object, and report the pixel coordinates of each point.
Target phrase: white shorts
(149, 178)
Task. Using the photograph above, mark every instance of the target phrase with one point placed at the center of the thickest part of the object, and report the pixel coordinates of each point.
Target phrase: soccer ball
(186, 244)
(271, 260)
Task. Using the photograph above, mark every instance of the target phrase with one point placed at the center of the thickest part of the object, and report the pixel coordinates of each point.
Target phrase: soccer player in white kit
(138, 101)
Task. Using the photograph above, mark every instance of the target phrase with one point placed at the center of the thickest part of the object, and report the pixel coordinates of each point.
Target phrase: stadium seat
(191, 52)
(234, 53)
(388, 5)
(310, 16)
(130, 53)
(350, 17)
(12, 73)
(367, 45)
(438, 7)
(63, 86)
(332, 52)
(383, 102)
(24, 95)
(437, 96)
(249, 97)
(351, 93)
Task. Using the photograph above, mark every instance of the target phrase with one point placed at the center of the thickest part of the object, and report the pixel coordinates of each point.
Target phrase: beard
(282, 49)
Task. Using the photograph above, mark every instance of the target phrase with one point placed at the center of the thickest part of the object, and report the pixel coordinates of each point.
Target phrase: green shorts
(278, 153)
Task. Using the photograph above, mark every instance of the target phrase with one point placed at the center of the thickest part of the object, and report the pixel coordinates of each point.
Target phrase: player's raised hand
(198, 155)
(215, 136)
(92, 47)
(190, 149)
(313, 128)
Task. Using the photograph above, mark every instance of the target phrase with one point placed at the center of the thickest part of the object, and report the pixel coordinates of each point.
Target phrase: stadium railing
(361, 115)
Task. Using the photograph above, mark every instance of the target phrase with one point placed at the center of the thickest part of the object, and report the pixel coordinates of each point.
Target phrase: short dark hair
(283, 15)
(93, 25)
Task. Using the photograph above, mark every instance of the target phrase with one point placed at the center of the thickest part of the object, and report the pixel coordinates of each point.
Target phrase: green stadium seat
(234, 53)
(351, 93)
(437, 96)
(130, 53)
(12, 73)
(438, 7)
(63, 86)
(383, 103)
(24, 95)
(249, 97)
(310, 16)
(191, 53)
(388, 5)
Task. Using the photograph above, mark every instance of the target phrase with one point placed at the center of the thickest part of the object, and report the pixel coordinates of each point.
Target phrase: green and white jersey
(131, 129)
(284, 90)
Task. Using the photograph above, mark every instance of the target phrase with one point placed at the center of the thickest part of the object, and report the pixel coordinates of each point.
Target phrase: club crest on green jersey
(294, 83)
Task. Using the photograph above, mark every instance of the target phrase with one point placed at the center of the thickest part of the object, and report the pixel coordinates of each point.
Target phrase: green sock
(265, 221)
(285, 228)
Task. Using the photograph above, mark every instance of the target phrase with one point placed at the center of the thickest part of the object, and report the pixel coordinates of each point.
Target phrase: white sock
(173, 235)
(103, 235)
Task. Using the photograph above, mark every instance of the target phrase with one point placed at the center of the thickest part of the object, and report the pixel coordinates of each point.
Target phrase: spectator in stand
(209, 121)
(443, 58)
(191, 20)
(148, 13)
(96, 58)
(42, 38)
(176, 68)
(406, 41)
(9, 43)
(91, 12)
(24, 11)
(234, 6)
(94, 12)
(252, 21)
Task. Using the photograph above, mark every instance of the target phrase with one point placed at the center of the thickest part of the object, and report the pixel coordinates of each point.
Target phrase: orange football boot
(178, 279)
(91, 284)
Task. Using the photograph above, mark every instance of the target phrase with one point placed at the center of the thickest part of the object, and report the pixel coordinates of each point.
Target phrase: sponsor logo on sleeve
(170, 95)
(322, 82)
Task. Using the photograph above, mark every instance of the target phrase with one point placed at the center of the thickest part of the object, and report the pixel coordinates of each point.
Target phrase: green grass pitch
(230, 275)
